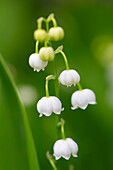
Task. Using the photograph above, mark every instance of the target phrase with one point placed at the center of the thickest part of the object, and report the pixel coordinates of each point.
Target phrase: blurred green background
(88, 44)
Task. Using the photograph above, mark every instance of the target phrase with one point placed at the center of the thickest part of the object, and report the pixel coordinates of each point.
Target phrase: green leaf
(17, 149)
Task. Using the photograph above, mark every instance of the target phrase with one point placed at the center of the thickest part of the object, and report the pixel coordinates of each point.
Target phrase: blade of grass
(17, 149)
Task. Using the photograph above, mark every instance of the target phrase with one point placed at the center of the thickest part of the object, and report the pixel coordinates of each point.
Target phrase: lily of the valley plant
(48, 105)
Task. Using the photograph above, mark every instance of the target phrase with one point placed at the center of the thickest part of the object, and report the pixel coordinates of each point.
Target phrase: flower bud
(46, 54)
(40, 35)
(56, 33)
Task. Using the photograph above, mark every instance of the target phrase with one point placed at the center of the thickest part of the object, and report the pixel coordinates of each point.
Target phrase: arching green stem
(39, 22)
(36, 47)
(46, 84)
(65, 58)
(50, 158)
(54, 22)
(79, 86)
(62, 128)
(51, 18)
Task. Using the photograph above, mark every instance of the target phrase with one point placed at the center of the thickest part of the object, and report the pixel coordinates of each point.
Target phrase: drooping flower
(40, 35)
(47, 54)
(69, 77)
(36, 63)
(56, 33)
(82, 98)
(47, 105)
(64, 148)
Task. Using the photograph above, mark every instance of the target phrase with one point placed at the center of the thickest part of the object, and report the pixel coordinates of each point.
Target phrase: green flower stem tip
(39, 22)
(51, 18)
(61, 123)
(51, 160)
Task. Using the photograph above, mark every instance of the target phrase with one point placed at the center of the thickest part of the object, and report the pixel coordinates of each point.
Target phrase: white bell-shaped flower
(82, 98)
(64, 148)
(69, 77)
(36, 63)
(47, 105)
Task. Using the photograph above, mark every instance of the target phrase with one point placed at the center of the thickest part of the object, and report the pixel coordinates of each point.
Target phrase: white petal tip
(73, 108)
(40, 115)
(74, 155)
(67, 158)
(93, 102)
(47, 114)
(58, 113)
(56, 157)
(83, 107)
(62, 109)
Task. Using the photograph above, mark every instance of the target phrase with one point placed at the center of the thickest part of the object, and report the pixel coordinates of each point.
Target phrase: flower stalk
(51, 18)
(56, 79)
(61, 123)
(39, 22)
(79, 86)
(50, 158)
(47, 26)
(64, 57)
(36, 47)
(54, 22)
(46, 84)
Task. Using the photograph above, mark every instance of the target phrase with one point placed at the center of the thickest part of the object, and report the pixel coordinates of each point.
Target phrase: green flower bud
(56, 33)
(40, 35)
(46, 54)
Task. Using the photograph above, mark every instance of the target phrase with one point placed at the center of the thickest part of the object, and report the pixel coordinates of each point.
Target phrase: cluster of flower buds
(39, 60)
(51, 104)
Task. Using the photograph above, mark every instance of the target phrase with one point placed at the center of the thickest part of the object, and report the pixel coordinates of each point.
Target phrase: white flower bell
(82, 98)
(47, 105)
(69, 77)
(64, 148)
(36, 63)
